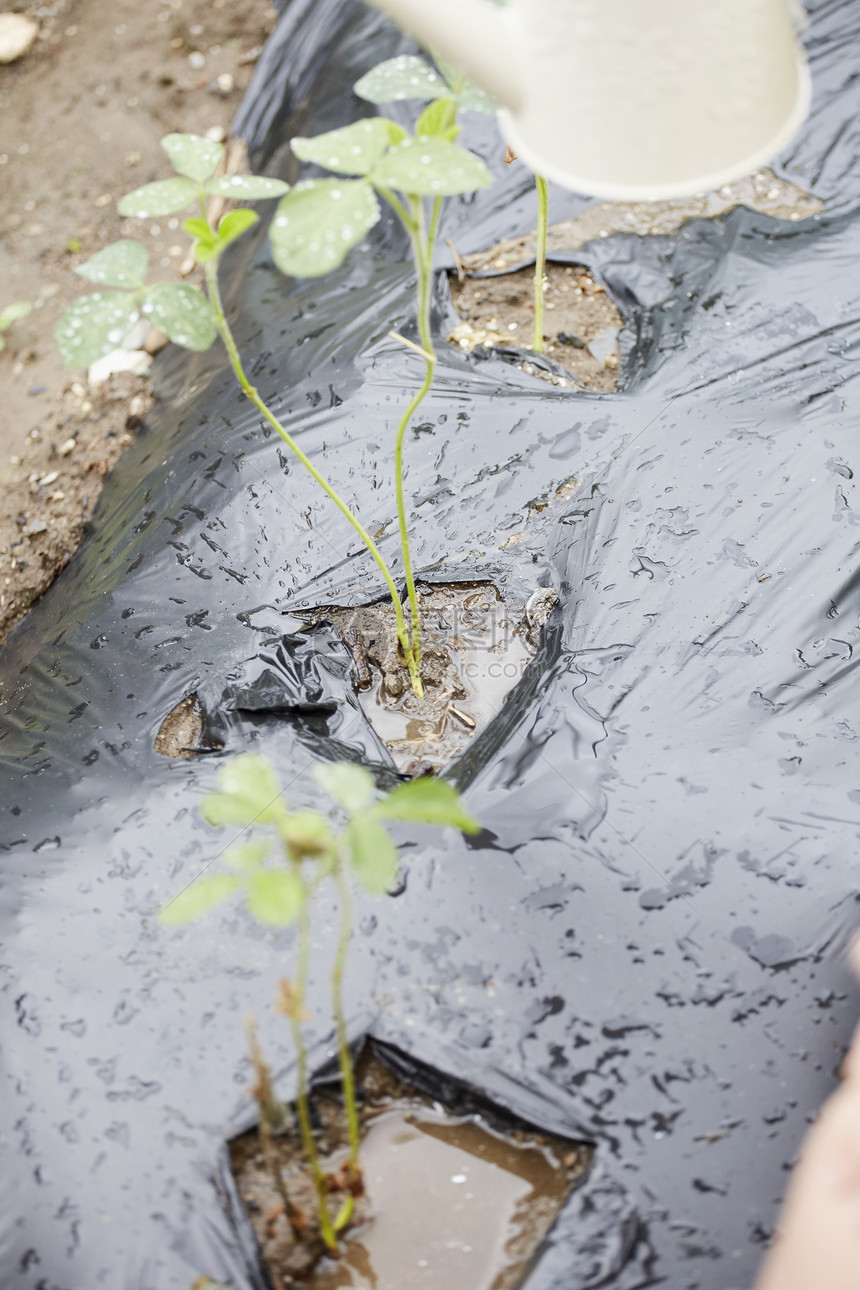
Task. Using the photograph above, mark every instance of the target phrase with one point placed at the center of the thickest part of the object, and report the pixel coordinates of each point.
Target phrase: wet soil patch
(581, 323)
(475, 647)
(180, 733)
(459, 1198)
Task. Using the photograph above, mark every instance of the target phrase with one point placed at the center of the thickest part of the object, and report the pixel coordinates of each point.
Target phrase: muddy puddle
(453, 1202)
(581, 323)
(475, 648)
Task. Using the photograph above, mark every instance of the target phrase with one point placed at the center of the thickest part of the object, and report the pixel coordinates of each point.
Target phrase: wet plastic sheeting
(645, 946)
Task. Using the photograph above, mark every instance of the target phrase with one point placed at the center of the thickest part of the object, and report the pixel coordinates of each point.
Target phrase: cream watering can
(629, 99)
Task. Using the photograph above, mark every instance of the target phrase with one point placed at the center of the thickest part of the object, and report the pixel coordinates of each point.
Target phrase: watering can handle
(476, 36)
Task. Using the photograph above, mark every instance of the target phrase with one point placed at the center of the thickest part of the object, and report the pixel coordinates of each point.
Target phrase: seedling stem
(271, 1118)
(223, 329)
(302, 1105)
(281, 895)
(344, 1057)
(540, 260)
(422, 238)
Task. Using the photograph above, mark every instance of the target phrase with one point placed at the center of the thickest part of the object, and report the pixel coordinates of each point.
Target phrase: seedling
(96, 324)
(411, 77)
(540, 260)
(11, 314)
(322, 219)
(312, 851)
(315, 226)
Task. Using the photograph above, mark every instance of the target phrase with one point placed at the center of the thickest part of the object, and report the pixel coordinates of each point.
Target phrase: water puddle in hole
(453, 1201)
(475, 648)
(454, 1206)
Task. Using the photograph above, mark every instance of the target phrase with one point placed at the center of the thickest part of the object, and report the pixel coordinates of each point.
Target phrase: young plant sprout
(11, 314)
(411, 77)
(311, 852)
(540, 259)
(96, 324)
(320, 220)
(315, 226)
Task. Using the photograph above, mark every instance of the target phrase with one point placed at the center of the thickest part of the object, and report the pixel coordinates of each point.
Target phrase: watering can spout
(476, 35)
(629, 99)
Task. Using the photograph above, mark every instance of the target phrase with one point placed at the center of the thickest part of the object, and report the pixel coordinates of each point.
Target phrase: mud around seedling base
(474, 649)
(498, 312)
(452, 1200)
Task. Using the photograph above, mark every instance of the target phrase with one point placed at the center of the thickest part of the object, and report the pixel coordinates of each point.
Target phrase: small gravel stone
(49, 479)
(156, 339)
(17, 34)
(136, 338)
(604, 344)
(118, 360)
(67, 447)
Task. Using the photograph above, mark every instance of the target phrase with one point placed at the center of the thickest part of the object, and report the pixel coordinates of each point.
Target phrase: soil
(498, 313)
(474, 649)
(452, 1199)
(82, 114)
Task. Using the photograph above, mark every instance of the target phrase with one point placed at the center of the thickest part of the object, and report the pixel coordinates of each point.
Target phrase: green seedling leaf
(206, 245)
(430, 168)
(438, 121)
(246, 188)
(253, 777)
(204, 251)
(203, 894)
(210, 244)
(472, 99)
(319, 222)
(308, 833)
(94, 325)
(350, 785)
(234, 225)
(13, 312)
(123, 264)
(373, 855)
(465, 91)
(192, 155)
(161, 198)
(247, 855)
(406, 77)
(352, 150)
(182, 311)
(426, 801)
(249, 792)
(201, 229)
(275, 897)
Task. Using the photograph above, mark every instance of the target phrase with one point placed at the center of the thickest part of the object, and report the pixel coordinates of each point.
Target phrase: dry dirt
(81, 116)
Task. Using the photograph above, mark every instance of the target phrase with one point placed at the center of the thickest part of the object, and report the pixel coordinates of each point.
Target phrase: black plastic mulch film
(645, 948)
